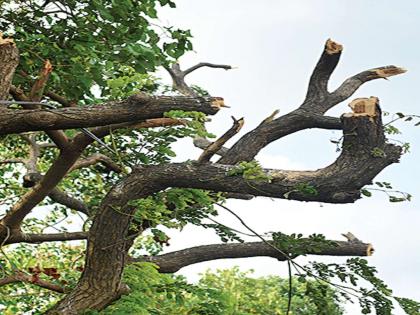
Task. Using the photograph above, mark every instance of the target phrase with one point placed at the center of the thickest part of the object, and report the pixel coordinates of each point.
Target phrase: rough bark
(311, 113)
(137, 108)
(365, 153)
(9, 59)
(338, 183)
(174, 261)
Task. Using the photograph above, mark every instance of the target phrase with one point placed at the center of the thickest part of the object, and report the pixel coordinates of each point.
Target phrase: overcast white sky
(275, 45)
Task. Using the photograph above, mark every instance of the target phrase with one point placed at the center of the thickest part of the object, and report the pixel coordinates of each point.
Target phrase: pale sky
(275, 44)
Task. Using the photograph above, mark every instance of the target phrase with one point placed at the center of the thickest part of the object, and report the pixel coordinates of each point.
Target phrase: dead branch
(203, 143)
(318, 83)
(311, 113)
(38, 87)
(349, 86)
(218, 144)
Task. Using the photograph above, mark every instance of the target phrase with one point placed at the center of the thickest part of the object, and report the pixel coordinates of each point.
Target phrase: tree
(100, 150)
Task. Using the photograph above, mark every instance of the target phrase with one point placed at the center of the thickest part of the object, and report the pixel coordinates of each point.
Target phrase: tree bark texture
(9, 59)
(365, 153)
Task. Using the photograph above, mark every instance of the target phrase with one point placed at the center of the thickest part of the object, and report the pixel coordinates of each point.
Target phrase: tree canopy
(86, 132)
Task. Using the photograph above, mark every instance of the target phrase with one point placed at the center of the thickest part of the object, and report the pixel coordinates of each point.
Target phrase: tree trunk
(9, 59)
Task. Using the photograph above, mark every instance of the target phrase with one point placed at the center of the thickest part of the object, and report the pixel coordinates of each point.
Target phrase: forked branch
(311, 113)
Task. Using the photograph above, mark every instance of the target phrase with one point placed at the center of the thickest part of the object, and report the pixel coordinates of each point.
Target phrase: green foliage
(175, 208)
(127, 82)
(106, 50)
(226, 292)
(376, 297)
(386, 187)
(303, 188)
(378, 153)
(56, 263)
(90, 42)
(250, 170)
(295, 244)
(409, 306)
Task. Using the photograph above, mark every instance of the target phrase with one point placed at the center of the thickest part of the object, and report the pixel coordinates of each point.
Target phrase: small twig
(206, 64)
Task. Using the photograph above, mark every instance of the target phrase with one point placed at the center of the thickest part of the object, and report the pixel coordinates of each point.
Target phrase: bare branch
(318, 84)
(174, 261)
(310, 113)
(203, 143)
(12, 161)
(178, 76)
(353, 83)
(20, 276)
(97, 158)
(206, 64)
(60, 99)
(216, 145)
(62, 198)
(42, 238)
(58, 196)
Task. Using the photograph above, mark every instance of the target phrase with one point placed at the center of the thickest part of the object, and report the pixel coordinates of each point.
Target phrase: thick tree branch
(349, 86)
(136, 108)
(57, 136)
(340, 182)
(174, 261)
(310, 113)
(318, 84)
(9, 59)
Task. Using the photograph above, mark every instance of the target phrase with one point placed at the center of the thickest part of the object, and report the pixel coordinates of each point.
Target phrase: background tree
(91, 60)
